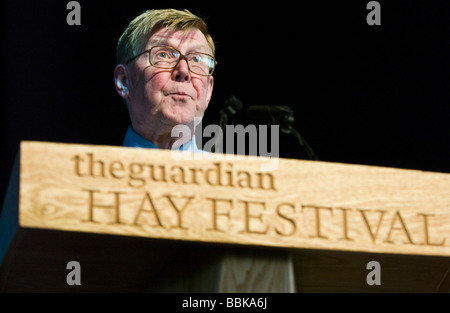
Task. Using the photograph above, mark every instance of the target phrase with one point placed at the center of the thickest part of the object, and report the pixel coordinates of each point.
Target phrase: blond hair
(142, 27)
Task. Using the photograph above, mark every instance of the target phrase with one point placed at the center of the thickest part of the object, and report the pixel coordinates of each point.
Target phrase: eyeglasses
(168, 58)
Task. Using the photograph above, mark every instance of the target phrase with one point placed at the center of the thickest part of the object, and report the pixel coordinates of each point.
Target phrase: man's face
(168, 97)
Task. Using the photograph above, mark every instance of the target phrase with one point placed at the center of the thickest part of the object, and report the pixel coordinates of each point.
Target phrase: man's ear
(121, 81)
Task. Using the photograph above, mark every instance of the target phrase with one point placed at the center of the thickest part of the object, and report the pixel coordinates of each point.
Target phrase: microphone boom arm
(283, 116)
(305, 145)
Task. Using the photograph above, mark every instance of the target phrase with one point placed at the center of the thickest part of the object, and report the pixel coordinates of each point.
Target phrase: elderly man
(164, 73)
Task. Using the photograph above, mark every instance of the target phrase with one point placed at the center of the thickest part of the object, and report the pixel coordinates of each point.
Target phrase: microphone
(232, 106)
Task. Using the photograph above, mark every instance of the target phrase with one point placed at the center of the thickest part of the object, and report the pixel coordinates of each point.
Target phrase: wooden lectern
(140, 220)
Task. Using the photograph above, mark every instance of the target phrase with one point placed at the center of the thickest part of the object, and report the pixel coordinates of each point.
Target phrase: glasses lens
(202, 64)
(164, 57)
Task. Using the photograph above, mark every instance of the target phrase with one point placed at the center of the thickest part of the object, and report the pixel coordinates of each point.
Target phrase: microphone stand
(222, 122)
(286, 127)
(232, 106)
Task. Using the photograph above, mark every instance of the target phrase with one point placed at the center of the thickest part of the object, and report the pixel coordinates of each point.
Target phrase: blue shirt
(133, 139)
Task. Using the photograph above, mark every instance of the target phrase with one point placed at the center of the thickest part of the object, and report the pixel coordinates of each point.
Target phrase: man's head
(159, 97)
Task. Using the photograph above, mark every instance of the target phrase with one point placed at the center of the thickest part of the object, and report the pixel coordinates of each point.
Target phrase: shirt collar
(133, 139)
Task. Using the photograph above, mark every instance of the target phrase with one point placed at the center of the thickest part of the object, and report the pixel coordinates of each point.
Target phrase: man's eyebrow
(165, 42)
(159, 41)
(198, 48)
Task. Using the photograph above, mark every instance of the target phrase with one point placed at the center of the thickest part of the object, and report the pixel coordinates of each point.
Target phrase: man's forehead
(191, 39)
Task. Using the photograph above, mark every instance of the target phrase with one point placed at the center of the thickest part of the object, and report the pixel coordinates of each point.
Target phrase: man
(164, 73)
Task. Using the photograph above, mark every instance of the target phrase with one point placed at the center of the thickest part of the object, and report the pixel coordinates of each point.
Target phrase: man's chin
(181, 117)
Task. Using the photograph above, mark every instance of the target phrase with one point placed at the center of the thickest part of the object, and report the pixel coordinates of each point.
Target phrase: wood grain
(300, 204)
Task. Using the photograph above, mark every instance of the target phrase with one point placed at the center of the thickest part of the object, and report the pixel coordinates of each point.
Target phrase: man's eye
(162, 55)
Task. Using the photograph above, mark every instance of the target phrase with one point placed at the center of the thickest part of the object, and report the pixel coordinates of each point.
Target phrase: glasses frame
(182, 57)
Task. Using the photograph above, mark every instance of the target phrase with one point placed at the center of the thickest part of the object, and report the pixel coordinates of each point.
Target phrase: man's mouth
(180, 95)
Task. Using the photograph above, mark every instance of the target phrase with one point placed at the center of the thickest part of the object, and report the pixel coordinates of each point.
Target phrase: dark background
(375, 95)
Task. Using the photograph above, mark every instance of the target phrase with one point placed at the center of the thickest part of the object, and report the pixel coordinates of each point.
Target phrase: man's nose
(181, 71)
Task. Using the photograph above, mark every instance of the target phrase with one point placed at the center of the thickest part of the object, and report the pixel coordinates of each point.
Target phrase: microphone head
(233, 104)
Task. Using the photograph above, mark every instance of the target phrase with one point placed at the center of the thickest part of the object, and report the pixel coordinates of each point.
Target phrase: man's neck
(162, 138)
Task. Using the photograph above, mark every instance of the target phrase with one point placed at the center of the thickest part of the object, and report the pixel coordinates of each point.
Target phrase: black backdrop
(375, 95)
